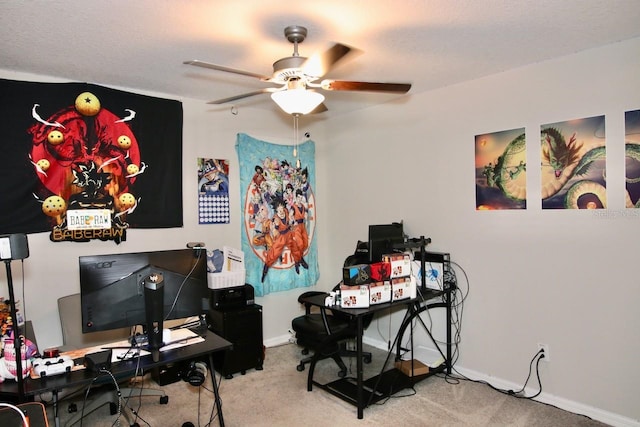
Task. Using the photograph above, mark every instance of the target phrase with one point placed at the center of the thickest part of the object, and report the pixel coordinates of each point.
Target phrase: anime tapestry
(279, 210)
(87, 162)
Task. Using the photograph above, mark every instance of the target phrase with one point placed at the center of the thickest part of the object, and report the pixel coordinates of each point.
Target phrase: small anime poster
(213, 191)
(573, 164)
(632, 157)
(501, 170)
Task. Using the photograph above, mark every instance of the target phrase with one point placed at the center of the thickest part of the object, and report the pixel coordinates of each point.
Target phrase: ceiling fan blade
(203, 64)
(245, 95)
(365, 86)
(320, 63)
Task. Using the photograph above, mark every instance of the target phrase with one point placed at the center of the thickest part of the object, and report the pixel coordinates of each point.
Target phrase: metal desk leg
(360, 367)
(447, 297)
(216, 393)
(56, 418)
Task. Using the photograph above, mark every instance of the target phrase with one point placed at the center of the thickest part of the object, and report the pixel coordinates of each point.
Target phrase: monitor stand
(154, 312)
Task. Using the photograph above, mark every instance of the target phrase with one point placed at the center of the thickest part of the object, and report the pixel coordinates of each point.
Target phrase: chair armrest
(308, 294)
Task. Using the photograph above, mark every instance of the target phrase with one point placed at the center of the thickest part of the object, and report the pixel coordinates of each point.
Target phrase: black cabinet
(242, 326)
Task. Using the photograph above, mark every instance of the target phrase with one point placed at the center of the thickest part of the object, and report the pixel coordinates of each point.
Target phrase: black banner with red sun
(70, 148)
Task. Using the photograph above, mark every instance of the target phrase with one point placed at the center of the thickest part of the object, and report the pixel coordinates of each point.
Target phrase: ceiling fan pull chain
(295, 139)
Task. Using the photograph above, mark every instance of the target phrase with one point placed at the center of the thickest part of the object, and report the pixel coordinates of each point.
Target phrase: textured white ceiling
(142, 44)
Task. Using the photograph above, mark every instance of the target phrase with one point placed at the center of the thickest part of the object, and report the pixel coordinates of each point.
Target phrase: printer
(234, 297)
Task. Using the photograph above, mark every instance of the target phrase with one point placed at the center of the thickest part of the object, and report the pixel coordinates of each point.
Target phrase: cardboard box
(419, 368)
(359, 274)
(400, 264)
(402, 288)
(380, 271)
(434, 274)
(380, 292)
(354, 296)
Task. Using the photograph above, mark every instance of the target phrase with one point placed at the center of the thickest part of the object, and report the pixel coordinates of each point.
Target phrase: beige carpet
(277, 396)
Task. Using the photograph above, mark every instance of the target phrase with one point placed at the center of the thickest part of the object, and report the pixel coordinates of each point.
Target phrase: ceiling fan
(297, 77)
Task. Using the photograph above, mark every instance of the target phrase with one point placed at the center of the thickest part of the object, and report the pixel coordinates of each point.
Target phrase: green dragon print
(566, 162)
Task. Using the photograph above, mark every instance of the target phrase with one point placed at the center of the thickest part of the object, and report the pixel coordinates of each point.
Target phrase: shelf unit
(362, 392)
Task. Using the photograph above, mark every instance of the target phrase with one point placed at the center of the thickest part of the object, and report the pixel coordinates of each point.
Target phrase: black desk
(82, 378)
(364, 393)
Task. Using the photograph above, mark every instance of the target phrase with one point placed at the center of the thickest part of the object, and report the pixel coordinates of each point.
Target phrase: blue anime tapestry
(279, 214)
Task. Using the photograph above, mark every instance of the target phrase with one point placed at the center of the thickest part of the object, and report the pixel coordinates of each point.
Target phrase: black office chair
(327, 335)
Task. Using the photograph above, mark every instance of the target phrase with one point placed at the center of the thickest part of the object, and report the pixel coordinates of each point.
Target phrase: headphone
(195, 374)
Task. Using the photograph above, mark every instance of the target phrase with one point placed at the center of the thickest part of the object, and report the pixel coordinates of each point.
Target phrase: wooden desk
(83, 378)
(364, 393)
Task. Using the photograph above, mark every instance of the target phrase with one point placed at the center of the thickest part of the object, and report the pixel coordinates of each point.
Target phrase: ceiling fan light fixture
(297, 101)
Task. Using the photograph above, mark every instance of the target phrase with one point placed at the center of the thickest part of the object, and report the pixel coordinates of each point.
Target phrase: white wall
(565, 278)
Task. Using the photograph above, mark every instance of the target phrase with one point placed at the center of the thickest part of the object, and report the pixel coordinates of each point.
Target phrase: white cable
(15, 408)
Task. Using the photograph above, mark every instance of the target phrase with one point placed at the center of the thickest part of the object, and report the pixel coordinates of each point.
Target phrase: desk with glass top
(367, 392)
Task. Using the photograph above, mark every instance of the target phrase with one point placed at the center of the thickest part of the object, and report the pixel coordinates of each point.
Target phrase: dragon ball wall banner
(279, 214)
(87, 162)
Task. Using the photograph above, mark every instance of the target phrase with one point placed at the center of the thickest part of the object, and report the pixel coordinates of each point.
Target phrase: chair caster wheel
(342, 374)
(367, 359)
(72, 408)
(243, 372)
(305, 351)
(300, 368)
(164, 400)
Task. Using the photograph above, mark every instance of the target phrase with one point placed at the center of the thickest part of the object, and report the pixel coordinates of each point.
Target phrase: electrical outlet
(544, 348)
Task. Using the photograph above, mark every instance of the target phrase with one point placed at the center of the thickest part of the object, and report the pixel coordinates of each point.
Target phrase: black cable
(137, 372)
(175, 300)
(86, 395)
(455, 379)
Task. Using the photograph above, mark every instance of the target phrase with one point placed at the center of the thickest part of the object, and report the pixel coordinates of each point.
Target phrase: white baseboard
(277, 341)
(560, 402)
(428, 356)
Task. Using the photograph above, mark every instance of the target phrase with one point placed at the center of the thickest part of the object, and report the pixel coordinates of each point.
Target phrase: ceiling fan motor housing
(286, 68)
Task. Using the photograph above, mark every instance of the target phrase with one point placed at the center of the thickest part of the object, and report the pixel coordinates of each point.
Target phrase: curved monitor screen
(112, 289)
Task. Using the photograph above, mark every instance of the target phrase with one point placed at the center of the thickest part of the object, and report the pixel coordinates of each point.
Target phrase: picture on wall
(279, 214)
(87, 162)
(501, 170)
(632, 157)
(573, 164)
(213, 191)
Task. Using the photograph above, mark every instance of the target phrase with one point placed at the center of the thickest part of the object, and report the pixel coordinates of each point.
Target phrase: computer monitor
(112, 287)
(382, 239)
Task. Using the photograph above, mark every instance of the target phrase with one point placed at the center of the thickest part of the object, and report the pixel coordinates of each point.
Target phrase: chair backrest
(71, 322)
